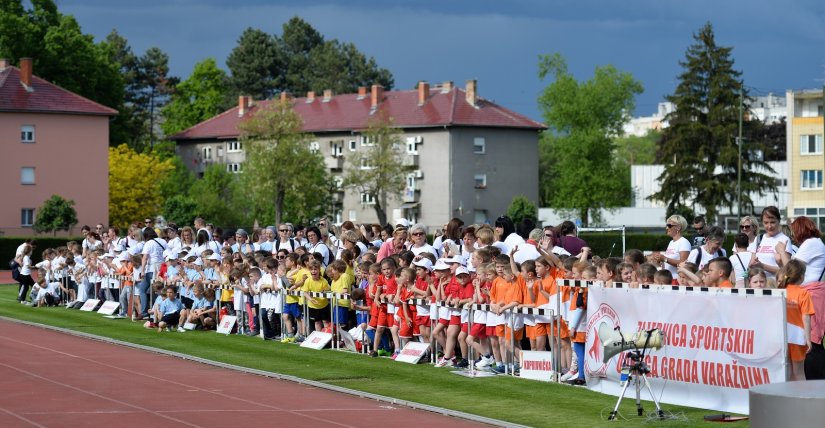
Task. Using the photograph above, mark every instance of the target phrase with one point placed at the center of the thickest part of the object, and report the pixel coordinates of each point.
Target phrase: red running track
(51, 379)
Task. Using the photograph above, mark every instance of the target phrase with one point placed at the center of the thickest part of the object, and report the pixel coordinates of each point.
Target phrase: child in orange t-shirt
(799, 309)
(506, 294)
(718, 273)
(549, 269)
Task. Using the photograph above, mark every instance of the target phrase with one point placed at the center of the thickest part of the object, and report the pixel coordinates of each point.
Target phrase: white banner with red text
(715, 346)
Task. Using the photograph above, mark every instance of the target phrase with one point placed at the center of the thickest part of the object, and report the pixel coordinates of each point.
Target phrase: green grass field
(510, 399)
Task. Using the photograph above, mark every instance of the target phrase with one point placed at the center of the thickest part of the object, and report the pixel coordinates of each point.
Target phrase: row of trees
(584, 159)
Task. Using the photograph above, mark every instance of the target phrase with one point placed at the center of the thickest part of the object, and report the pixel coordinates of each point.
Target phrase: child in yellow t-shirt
(342, 282)
(318, 306)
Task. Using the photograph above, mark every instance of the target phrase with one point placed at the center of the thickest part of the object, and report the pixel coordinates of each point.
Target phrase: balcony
(334, 163)
(410, 195)
(410, 160)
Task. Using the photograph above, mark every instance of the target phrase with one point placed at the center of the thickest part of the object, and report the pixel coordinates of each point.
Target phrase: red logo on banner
(605, 314)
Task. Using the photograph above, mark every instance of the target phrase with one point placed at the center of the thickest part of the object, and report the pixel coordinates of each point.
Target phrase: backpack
(699, 255)
(15, 270)
(278, 245)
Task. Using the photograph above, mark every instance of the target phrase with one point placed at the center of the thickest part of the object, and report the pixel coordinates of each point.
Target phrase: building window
(234, 147)
(365, 164)
(367, 141)
(352, 215)
(27, 175)
(411, 181)
(234, 168)
(811, 179)
(479, 145)
(207, 153)
(353, 145)
(27, 134)
(817, 215)
(367, 199)
(314, 146)
(336, 148)
(480, 181)
(479, 216)
(27, 217)
(810, 144)
(339, 182)
(412, 144)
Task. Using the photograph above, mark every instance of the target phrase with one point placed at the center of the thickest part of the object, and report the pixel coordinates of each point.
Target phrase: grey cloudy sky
(778, 44)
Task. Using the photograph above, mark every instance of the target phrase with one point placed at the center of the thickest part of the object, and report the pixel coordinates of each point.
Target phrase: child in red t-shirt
(407, 327)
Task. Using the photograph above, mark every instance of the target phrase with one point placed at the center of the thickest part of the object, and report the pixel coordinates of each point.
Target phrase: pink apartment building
(53, 142)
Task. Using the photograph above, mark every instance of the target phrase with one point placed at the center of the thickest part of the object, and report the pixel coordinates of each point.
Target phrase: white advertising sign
(317, 340)
(412, 352)
(715, 345)
(90, 305)
(536, 365)
(227, 322)
(108, 307)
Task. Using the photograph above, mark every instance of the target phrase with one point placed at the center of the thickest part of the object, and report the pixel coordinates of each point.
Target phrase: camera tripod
(636, 372)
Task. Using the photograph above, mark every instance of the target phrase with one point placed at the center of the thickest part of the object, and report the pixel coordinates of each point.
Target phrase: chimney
(362, 92)
(377, 95)
(310, 96)
(243, 105)
(4, 63)
(285, 96)
(423, 92)
(446, 86)
(327, 95)
(26, 71)
(470, 92)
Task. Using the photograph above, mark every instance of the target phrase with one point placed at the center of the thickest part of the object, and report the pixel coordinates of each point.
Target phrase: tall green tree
(520, 208)
(256, 65)
(377, 169)
(55, 214)
(699, 148)
(128, 125)
(155, 87)
(583, 118)
(201, 96)
(280, 170)
(298, 61)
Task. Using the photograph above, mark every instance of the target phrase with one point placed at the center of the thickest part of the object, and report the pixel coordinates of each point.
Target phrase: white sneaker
(485, 362)
(572, 373)
(443, 362)
(181, 330)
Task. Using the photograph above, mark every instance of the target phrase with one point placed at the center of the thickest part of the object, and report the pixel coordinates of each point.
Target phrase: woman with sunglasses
(678, 248)
(749, 225)
(418, 238)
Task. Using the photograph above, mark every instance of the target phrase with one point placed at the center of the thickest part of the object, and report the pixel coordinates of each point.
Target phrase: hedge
(602, 244)
(8, 245)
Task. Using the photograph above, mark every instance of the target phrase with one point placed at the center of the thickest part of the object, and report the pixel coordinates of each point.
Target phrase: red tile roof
(45, 97)
(349, 112)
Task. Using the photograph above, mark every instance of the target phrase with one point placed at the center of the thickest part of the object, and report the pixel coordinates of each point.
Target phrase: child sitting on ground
(168, 311)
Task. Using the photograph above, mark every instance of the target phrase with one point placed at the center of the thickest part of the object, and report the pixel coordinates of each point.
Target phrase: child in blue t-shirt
(169, 310)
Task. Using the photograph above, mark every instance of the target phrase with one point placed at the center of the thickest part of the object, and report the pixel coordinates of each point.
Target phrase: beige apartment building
(54, 142)
(470, 156)
(806, 158)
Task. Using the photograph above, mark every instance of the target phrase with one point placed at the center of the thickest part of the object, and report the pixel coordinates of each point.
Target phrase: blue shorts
(362, 317)
(341, 315)
(294, 309)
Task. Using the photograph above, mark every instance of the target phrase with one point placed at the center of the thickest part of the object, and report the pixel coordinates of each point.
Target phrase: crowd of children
(397, 290)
